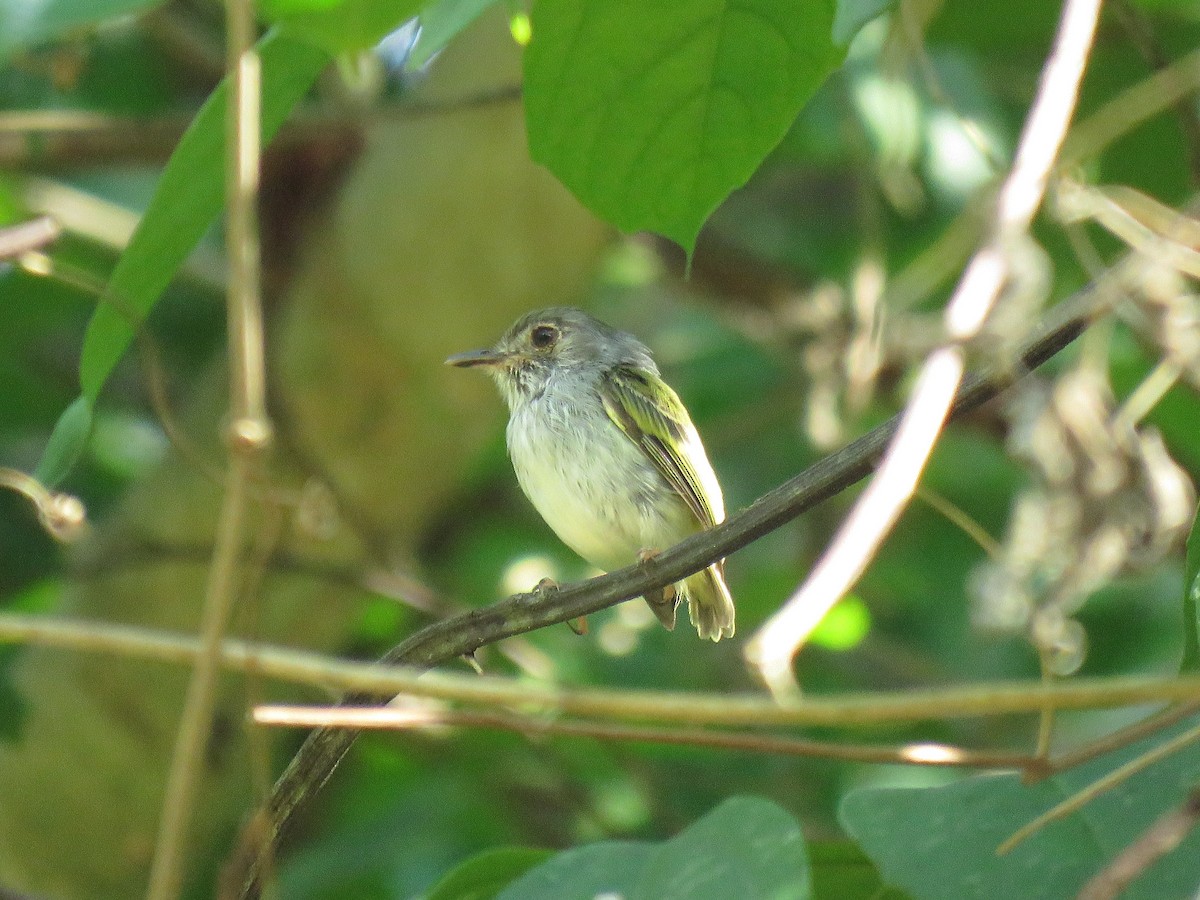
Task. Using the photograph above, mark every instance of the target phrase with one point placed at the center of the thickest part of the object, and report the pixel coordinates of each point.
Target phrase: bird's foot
(545, 587)
(662, 601)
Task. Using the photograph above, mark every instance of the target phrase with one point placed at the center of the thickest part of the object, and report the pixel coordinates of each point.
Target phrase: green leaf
(440, 23)
(340, 26)
(1191, 600)
(582, 873)
(941, 842)
(653, 113)
(188, 197)
(841, 871)
(66, 443)
(483, 877)
(25, 23)
(746, 847)
(852, 15)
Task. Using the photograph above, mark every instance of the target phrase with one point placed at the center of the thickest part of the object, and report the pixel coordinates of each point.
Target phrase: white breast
(592, 485)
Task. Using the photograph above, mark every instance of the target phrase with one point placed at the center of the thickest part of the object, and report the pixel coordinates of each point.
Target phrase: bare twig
(1166, 87)
(1123, 737)
(374, 682)
(772, 649)
(1085, 796)
(36, 234)
(1141, 34)
(391, 718)
(53, 140)
(960, 519)
(1167, 833)
(249, 433)
(62, 515)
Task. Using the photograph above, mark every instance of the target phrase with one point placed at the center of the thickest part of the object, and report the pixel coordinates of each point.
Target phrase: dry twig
(772, 649)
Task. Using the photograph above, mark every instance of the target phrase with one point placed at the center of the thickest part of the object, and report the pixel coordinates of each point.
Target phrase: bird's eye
(543, 336)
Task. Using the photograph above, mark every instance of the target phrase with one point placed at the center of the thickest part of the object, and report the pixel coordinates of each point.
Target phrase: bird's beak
(476, 358)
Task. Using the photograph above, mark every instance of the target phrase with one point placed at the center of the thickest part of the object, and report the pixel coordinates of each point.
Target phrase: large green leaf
(746, 847)
(941, 842)
(24, 23)
(482, 877)
(185, 203)
(652, 113)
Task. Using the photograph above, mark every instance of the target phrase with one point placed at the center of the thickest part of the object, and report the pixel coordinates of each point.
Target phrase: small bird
(607, 453)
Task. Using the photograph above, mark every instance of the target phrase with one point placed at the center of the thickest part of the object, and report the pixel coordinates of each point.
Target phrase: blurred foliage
(920, 842)
(841, 247)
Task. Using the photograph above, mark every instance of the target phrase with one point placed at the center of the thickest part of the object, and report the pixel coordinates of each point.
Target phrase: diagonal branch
(320, 754)
(876, 511)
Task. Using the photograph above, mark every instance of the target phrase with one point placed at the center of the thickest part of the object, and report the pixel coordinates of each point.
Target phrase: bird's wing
(652, 416)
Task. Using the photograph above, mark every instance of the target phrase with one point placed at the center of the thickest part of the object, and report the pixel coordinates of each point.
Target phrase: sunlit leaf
(652, 113)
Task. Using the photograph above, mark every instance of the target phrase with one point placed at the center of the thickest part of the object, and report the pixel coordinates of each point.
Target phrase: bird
(606, 452)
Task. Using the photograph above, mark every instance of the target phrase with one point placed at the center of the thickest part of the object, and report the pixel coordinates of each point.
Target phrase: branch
(876, 511)
(371, 680)
(390, 718)
(320, 754)
(248, 434)
(54, 140)
(1163, 836)
(25, 237)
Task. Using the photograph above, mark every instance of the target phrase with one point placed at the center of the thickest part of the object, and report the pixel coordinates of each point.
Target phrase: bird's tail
(710, 607)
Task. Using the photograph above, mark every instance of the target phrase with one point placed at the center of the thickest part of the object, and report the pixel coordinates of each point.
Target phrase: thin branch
(62, 515)
(53, 140)
(1163, 836)
(1124, 112)
(249, 433)
(389, 718)
(960, 519)
(1123, 737)
(166, 874)
(1085, 796)
(36, 234)
(772, 649)
(323, 750)
(1141, 34)
(374, 682)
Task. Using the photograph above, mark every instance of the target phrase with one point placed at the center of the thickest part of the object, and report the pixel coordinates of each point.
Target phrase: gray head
(558, 342)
